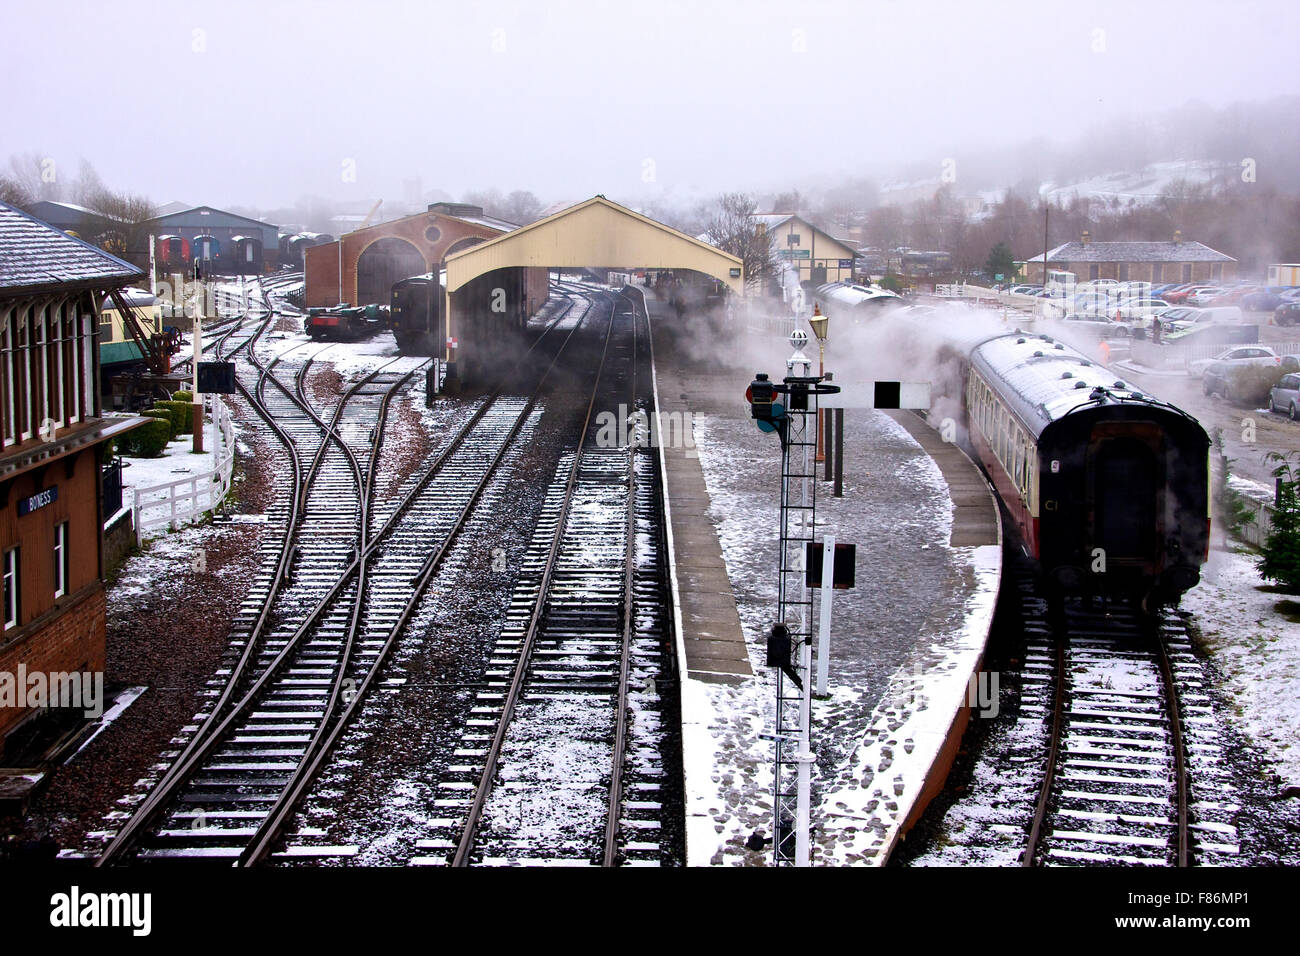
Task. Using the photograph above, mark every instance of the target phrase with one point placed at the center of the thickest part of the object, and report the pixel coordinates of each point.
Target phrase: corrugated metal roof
(1133, 252)
(35, 255)
(852, 296)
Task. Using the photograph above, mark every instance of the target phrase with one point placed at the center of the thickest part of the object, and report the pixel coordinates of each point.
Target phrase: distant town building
(1176, 261)
(818, 256)
(52, 442)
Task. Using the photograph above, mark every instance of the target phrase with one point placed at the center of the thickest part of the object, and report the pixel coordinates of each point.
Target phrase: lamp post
(819, 323)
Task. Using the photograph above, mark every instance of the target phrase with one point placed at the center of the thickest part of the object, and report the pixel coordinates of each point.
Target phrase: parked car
(1285, 396)
(1204, 296)
(1177, 317)
(1266, 300)
(1183, 293)
(1238, 355)
(1234, 294)
(1288, 313)
(1141, 308)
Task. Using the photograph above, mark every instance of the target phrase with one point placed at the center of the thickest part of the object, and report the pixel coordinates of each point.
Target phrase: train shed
(596, 233)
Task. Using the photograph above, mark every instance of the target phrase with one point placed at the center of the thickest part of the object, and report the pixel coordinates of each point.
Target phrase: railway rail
(251, 758)
(1132, 773)
(580, 653)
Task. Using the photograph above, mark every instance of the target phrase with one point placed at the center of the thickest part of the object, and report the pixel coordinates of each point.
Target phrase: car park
(1284, 397)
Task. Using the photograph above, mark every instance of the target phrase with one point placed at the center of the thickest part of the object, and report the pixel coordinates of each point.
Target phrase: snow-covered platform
(905, 642)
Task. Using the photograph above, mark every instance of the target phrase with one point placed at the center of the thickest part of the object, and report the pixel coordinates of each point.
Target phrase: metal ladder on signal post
(794, 610)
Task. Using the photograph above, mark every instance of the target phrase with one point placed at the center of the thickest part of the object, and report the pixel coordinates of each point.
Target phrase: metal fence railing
(110, 478)
(178, 502)
(1180, 355)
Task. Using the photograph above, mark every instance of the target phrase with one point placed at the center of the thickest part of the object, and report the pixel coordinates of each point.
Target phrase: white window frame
(62, 566)
(11, 586)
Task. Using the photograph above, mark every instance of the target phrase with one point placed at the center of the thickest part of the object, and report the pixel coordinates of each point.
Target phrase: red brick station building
(52, 441)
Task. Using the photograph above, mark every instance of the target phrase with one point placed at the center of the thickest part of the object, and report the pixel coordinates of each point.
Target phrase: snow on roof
(34, 255)
(1185, 251)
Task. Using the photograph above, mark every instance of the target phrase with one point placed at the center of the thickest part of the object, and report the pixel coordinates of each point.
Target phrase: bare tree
(12, 192)
(733, 228)
(36, 175)
(521, 207)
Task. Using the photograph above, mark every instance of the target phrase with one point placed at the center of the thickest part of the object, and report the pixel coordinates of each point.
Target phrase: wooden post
(839, 453)
(829, 432)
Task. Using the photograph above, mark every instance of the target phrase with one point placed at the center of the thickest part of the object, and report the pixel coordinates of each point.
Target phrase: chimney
(1178, 235)
(1085, 238)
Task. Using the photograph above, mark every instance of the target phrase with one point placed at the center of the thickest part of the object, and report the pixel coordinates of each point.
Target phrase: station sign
(36, 502)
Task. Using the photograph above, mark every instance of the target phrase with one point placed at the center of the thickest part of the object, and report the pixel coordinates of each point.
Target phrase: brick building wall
(72, 640)
(322, 262)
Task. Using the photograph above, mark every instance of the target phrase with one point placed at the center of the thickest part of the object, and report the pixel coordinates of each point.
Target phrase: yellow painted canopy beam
(597, 234)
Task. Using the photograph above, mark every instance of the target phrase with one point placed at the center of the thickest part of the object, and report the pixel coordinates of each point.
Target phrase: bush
(181, 413)
(1252, 382)
(186, 397)
(1281, 562)
(149, 440)
(161, 414)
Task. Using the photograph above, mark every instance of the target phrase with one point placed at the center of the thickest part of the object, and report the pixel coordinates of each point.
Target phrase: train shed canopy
(596, 233)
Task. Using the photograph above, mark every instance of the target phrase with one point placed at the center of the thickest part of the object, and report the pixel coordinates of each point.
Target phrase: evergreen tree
(1001, 262)
(1281, 562)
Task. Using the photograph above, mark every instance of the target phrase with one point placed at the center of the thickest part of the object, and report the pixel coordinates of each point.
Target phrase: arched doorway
(460, 244)
(382, 263)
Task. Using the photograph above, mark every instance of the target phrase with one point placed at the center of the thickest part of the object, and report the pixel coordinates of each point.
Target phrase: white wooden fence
(178, 502)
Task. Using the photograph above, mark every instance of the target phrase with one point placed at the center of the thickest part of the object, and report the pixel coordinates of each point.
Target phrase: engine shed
(362, 266)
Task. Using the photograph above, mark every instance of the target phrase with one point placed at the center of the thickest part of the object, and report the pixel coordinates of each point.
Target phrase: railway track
(545, 776)
(231, 790)
(1133, 771)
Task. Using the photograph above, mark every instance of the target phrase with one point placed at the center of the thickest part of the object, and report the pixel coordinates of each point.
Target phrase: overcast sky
(259, 103)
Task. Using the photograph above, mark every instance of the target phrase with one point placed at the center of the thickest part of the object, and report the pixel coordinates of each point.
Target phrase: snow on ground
(177, 462)
(898, 672)
(1255, 644)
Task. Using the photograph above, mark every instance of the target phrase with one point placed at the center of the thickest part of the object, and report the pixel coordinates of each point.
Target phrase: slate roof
(168, 219)
(35, 256)
(1133, 252)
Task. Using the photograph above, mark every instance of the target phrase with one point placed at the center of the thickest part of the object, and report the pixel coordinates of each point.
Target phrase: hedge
(1251, 383)
(162, 414)
(149, 440)
(181, 412)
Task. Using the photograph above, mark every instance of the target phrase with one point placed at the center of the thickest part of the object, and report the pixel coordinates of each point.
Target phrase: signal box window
(60, 559)
(11, 588)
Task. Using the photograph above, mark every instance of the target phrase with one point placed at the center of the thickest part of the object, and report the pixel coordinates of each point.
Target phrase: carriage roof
(1043, 380)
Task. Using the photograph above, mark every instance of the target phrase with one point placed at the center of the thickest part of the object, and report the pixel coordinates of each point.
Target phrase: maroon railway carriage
(1108, 488)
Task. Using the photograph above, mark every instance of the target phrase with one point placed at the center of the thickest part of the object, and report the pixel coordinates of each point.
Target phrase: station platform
(905, 643)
